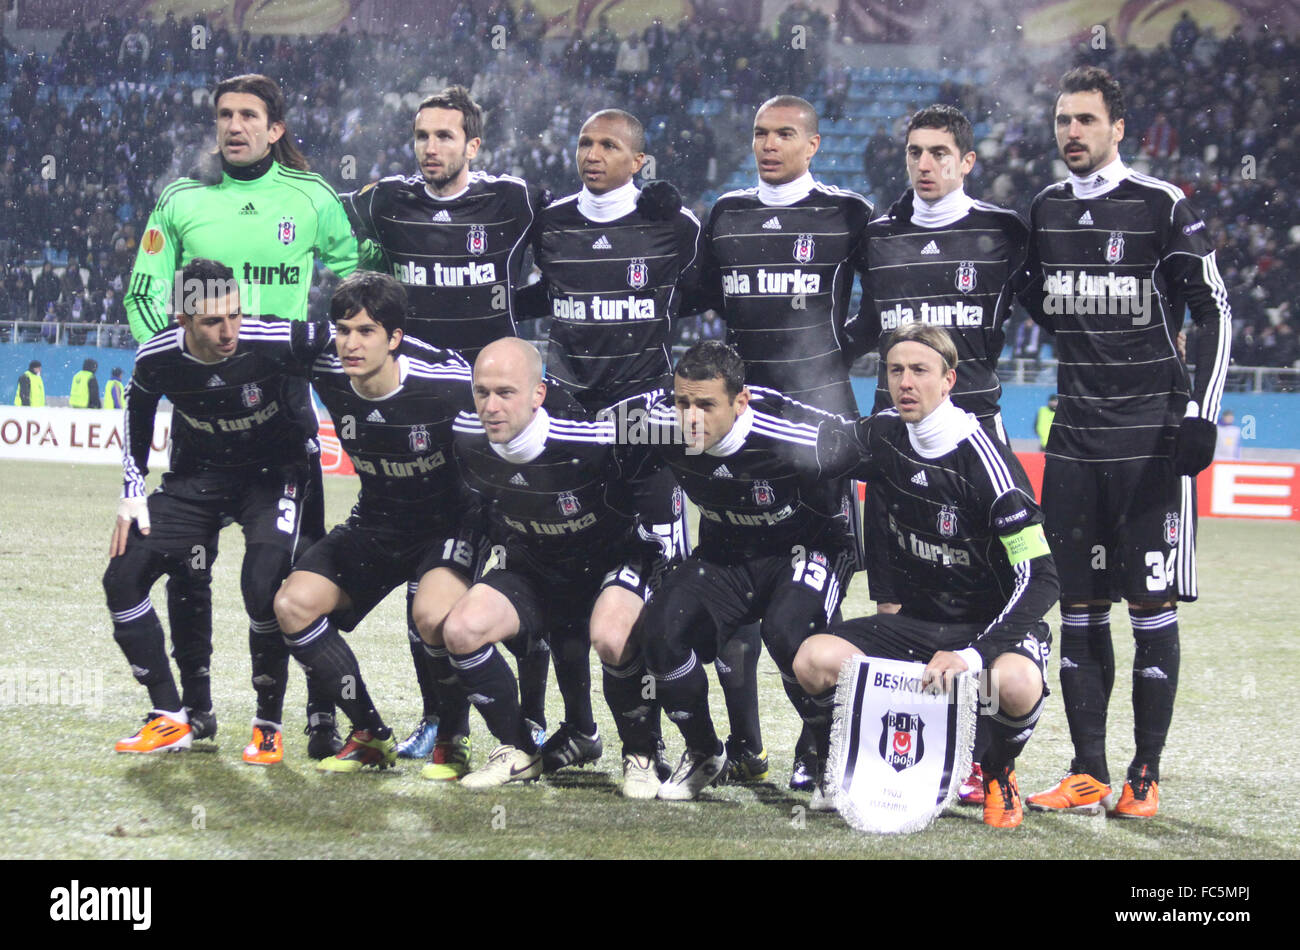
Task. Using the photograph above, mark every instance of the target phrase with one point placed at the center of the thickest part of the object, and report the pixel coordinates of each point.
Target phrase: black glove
(1195, 449)
(658, 200)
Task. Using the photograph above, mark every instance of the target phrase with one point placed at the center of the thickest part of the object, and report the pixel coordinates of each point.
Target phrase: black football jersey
(460, 258)
(767, 491)
(962, 277)
(571, 511)
(782, 277)
(613, 293)
(946, 518)
(1112, 276)
(228, 416)
(401, 444)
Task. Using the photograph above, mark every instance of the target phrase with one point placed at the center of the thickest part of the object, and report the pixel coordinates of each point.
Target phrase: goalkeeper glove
(658, 200)
(1194, 450)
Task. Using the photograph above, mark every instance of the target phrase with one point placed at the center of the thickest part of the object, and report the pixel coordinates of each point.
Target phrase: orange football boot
(1140, 798)
(1002, 800)
(1078, 792)
(158, 734)
(266, 748)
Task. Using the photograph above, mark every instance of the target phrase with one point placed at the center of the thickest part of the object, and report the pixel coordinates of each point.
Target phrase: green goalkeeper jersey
(266, 230)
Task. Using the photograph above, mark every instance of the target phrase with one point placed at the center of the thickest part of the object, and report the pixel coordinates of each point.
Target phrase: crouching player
(394, 415)
(975, 571)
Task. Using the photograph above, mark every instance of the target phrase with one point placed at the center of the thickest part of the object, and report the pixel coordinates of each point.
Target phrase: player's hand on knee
(941, 672)
(128, 510)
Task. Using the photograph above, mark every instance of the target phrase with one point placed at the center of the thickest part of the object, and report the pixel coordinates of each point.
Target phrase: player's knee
(294, 608)
(1019, 685)
(428, 619)
(125, 582)
(815, 667)
(465, 630)
(612, 642)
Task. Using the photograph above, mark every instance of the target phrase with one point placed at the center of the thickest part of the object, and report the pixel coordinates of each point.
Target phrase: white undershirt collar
(429, 191)
(788, 193)
(528, 444)
(939, 432)
(734, 441)
(938, 214)
(610, 206)
(1101, 181)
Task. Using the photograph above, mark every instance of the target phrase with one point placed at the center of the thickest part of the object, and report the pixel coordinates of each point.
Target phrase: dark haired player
(1116, 257)
(456, 239)
(394, 415)
(236, 455)
(941, 258)
(974, 571)
(774, 544)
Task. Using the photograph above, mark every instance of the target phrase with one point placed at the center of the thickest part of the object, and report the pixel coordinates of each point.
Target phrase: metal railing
(71, 334)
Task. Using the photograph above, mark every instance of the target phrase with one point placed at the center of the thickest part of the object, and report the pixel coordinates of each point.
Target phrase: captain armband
(1025, 544)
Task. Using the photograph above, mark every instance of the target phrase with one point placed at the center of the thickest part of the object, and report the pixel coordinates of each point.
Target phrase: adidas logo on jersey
(442, 217)
(214, 381)
(248, 209)
(920, 479)
(772, 224)
(602, 244)
(376, 416)
(1086, 218)
(722, 472)
(519, 479)
(930, 248)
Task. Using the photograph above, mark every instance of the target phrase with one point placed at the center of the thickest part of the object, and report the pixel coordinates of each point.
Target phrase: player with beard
(1116, 258)
(941, 258)
(456, 239)
(778, 263)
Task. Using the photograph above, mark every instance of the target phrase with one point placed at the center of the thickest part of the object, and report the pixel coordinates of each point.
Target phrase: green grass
(1226, 787)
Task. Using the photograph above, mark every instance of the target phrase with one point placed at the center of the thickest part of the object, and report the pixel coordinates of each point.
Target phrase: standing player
(236, 455)
(774, 546)
(974, 570)
(567, 560)
(394, 416)
(456, 239)
(778, 261)
(1115, 258)
(943, 259)
(264, 215)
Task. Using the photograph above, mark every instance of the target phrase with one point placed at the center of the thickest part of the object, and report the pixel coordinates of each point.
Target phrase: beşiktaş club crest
(677, 501)
(803, 248)
(763, 494)
(476, 243)
(965, 276)
(568, 503)
(419, 439)
(1171, 529)
(287, 230)
(637, 273)
(902, 739)
(1115, 247)
(947, 521)
(251, 395)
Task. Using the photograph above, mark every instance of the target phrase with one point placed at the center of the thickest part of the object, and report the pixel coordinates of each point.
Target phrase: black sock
(737, 669)
(189, 614)
(270, 660)
(806, 744)
(453, 707)
(1155, 684)
(982, 740)
(490, 686)
(327, 658)
(1087, 676)
(636, 717)
(140, 635)
(319, 701)
(684, 695)
(424, 675)
(572, 656)
(534, 668)
(819, 732)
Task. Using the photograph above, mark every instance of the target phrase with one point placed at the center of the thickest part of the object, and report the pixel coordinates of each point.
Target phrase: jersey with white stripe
(782, 277)
(775, 490)
(401, 444)
(228, 416)
(946, 516)
(612, 295)
(460, 258)
(962, 277)
(1113, 275)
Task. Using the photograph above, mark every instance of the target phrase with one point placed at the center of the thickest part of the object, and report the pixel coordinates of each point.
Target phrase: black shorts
(562, 606)
(1121, 530)
(368, 564)
(187, 512)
